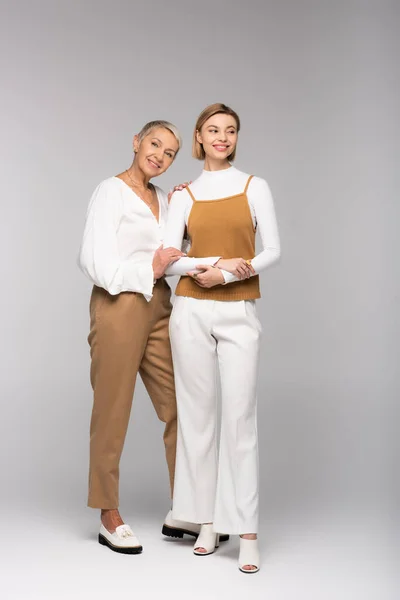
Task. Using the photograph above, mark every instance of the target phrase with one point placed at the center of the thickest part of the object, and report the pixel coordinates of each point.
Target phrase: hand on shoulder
(178, 188)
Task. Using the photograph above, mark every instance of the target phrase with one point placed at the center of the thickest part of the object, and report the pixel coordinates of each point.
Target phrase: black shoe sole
(133, 550)
(179, 533)
(246, 572)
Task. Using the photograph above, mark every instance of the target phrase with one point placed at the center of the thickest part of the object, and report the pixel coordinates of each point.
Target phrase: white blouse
(212, 185)
(120, 238)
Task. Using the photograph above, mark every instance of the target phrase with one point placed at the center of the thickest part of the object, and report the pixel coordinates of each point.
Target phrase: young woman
(122, 255)
(214, 321)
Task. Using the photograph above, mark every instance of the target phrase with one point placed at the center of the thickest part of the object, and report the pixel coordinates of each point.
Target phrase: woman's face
(156, 152)
(219, 136)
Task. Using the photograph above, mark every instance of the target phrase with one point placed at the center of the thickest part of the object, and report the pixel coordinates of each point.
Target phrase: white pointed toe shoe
(249, 555)
(208, 539)
(177, 529)
(123, 540)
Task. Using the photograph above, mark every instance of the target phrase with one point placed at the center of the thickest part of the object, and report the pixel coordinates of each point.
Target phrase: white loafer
(249, 555)
(177, 529)
(208, 539)
(123, 540)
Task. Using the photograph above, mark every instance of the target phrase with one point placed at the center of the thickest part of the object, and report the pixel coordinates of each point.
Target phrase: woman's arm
(99, 257)
(260, 198)
(174, 233)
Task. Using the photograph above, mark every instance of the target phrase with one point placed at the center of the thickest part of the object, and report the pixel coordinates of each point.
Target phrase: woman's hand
(237, 266)
(209, 277)
(178, 188)
(164, 257)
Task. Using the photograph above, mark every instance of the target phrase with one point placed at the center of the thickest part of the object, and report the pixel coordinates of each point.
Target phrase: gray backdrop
(315, 86)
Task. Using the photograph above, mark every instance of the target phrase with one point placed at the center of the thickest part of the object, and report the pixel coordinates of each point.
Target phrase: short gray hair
(163, 124)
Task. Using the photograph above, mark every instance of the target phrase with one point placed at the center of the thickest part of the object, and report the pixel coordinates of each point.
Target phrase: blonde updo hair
(210, 111)
(146, 129)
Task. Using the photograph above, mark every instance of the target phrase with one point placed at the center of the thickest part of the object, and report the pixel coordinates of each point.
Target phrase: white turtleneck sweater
(212, 185)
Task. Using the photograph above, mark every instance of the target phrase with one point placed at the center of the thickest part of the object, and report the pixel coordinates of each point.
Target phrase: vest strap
(190, 194)
(247, 184)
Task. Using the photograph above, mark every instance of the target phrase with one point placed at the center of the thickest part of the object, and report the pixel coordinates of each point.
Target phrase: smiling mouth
(153, 164)
(220, 147)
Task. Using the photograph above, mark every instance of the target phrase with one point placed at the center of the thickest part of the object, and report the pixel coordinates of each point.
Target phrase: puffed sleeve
(99, 257)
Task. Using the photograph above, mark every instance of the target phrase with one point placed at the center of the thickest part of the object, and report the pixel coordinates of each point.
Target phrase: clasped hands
(211, 275)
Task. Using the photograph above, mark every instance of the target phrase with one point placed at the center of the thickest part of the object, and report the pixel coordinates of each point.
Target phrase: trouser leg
(156, 371)
(194, 355)
(237, 330)
(118, 336)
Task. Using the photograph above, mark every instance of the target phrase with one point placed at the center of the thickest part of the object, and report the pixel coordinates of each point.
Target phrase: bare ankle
(111, 519)
(248, 536)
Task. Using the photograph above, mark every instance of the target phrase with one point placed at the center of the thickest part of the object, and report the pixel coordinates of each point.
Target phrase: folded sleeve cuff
(139, 277)
(228, 277)
(187, 263)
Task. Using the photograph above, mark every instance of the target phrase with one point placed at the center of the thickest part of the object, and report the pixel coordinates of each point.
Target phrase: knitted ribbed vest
(223, 228)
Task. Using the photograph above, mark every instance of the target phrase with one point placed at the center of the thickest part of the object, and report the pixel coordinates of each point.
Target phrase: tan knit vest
(223, 228)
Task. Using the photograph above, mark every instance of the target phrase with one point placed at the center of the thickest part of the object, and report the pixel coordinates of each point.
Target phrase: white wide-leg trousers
(222, 491)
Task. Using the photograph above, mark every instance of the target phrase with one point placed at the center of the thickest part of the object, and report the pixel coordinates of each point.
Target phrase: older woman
(122, 254)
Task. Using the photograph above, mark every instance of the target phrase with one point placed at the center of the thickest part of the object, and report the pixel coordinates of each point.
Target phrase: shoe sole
(179, 533)
(204, 553)
(247, 572)
(132, 550)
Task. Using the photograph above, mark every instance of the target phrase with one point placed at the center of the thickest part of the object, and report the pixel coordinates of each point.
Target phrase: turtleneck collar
(217, 174)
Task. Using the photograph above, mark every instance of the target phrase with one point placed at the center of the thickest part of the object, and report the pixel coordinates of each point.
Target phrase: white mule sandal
(249, 555)
(177, 529)
(208, 539)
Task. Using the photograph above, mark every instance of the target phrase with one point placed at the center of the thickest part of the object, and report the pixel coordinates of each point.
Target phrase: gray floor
(321, 557)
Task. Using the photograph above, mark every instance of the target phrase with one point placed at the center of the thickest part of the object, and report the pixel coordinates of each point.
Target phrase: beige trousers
(128, 335)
